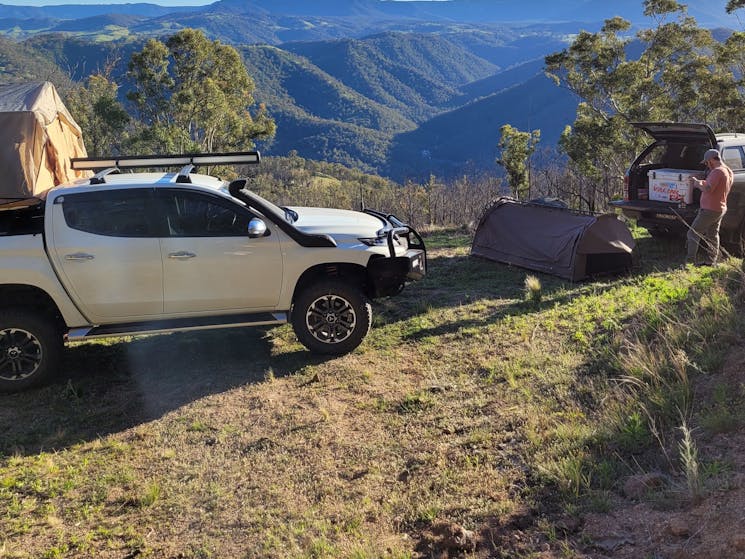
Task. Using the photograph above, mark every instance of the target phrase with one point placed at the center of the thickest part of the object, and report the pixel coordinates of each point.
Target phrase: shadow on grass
(106, 388)
(458, 280)
(658, 254)
(462, 280)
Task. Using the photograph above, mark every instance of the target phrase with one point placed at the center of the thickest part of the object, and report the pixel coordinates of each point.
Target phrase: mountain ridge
(406, 89)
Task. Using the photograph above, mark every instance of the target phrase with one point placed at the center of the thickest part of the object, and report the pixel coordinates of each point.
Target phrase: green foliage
(192, 94)
(516, 148)
(733, 5)
(681, 75)
(100, 115)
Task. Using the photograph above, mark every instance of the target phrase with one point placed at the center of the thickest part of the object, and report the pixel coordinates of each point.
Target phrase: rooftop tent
(553, 240)
(38, 137)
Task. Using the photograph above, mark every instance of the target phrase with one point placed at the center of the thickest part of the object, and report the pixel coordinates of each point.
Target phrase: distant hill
(498, 82)
(98, 23)
(20, 27)
(318, 116)
(288, 82)
(507, 46)
(80, 57)
(78, 11)
(413, 74)
(708, 12)
(467, 137)
(22, 63)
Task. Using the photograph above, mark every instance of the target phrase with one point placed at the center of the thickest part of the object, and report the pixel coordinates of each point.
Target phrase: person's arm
(710, 182)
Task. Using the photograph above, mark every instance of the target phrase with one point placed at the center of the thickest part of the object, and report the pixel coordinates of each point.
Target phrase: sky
(58, 2)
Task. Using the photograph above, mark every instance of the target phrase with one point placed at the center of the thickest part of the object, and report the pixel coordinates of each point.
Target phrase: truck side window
(113, 213)
(733, 157)
(191, 214)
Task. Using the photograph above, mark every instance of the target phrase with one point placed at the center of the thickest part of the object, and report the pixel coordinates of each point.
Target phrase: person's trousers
(704, 229)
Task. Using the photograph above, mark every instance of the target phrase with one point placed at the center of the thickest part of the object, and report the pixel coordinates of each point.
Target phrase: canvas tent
(553, 240)
(38, 137)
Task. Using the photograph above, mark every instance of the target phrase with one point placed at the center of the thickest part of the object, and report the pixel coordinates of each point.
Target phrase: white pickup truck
(133, 253)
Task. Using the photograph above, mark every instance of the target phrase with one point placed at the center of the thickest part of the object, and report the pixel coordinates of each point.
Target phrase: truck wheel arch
(353, 274)
(31, 297)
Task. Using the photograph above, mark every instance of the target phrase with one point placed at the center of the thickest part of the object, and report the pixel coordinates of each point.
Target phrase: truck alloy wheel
(20, 354)
(331, 317)
(30, 348)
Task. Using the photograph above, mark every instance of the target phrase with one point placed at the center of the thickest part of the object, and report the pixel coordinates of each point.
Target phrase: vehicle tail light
(626, 188)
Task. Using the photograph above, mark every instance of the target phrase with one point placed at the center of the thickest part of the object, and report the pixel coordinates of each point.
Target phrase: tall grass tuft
(657, 374)
(150, 495)
(533, 290)
(688, 453)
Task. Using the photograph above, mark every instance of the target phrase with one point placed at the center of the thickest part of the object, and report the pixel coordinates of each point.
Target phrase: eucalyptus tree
(678, 75)
(193, 94)
(516, 148)
(99, 113)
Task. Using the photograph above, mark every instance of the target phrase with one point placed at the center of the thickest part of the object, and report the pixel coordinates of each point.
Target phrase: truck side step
(177, 324)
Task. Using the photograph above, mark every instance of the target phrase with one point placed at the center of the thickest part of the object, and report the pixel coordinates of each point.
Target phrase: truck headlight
(374, 241)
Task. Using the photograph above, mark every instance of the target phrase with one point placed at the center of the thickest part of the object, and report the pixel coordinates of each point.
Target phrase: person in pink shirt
(714, 190)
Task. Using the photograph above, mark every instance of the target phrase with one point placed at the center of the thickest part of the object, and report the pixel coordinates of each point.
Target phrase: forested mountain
(287, 81)
(318, 116)
(20, 62)
(410, 73)
(81, 58)
(467, 137)
(497, 82)
(710, 12)
(78, 11)
(405, 88)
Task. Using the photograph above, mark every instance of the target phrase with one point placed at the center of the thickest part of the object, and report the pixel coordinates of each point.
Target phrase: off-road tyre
(31, 347)
(331, 317)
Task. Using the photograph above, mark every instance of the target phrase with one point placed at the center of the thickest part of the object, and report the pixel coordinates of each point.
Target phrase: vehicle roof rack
(100, 177)
(183, 160)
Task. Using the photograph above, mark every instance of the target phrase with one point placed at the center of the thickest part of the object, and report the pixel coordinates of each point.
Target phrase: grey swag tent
(553, 240)
(38, 137)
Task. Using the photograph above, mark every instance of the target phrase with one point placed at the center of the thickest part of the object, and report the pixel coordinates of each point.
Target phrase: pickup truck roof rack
(195, 159)
(187, 161)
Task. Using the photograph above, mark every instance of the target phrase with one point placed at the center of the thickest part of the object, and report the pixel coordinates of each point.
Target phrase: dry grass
(466, 406)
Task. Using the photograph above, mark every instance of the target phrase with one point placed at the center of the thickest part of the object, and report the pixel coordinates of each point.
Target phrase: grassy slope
(465, 405)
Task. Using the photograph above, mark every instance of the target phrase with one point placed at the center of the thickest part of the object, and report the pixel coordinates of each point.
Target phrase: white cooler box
(671, 185)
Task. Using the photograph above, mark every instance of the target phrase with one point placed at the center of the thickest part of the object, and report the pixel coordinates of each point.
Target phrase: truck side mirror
(256, 228)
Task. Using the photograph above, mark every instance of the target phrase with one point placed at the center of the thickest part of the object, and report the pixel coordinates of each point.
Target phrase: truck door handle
(181, 255)
(79, 256)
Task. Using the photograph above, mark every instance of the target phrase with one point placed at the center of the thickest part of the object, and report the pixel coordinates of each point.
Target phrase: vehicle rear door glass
(112, 213)
(191, 214)
(733, 157)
